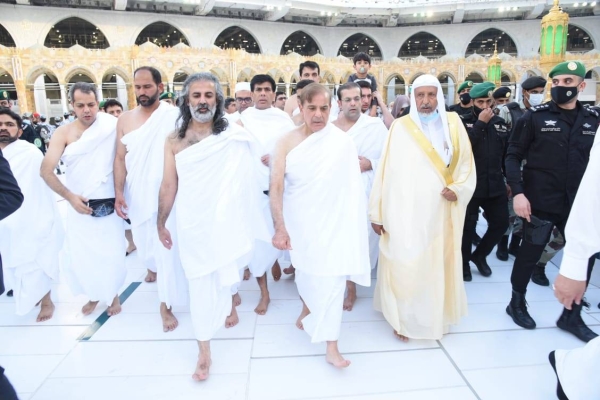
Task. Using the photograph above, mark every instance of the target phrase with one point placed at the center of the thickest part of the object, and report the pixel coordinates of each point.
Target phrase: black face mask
(563, 94)
(465, 98)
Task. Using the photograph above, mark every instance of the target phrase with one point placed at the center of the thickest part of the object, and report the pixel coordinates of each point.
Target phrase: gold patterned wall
(26, 65)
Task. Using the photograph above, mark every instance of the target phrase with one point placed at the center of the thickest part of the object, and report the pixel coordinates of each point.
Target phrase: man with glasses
(280, 99)
(243, 100)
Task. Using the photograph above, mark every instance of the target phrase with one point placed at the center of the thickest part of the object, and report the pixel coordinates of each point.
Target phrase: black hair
(346, 86)
(13, 115)
(361, 57)
(277, 94)
(228, 102)
(262, 78)
(156, 77)
(83, 87)
(311, 65)
(112, 103)
(303, 83)
(364, 84)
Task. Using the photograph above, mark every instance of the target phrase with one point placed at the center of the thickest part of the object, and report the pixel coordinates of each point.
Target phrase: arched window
(6, 39)
(300, 42)
(235, 37)
(360, 42)
(484, 42)
(474, 77)
(72, 31)
(578, 40)
(424, 44)
(161, 34)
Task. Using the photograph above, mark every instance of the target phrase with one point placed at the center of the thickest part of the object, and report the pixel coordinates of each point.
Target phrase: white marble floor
(265, 357)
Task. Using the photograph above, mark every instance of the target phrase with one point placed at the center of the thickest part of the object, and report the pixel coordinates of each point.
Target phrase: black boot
(559, 390)
(515, 243)
(467, 277)
(9, 293)
(502, 250)
(517, 309)
(539, 275)
(482, 265)
(476, 239)
(571, 321)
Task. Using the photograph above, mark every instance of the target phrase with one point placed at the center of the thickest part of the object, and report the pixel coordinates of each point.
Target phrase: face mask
(535, 99)
(428, 118)
(477, 110)
(362, 70)
(202, 117)
(465, 98)
(563, 94)
(71, 118)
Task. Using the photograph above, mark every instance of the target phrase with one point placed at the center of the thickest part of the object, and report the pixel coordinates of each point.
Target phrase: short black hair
(156, 77)
(83, 87)
(364, 84)
(277, 94)
(13, 115)
(303, 83)
(228, 102)
(262, 78)
(361, 57)
(311, 65)
(346, 86)
(112, 103)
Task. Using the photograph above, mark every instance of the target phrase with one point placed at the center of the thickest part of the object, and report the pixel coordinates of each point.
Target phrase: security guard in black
(489, 135)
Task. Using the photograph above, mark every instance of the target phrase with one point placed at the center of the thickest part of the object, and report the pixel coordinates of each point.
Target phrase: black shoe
(467, 277)
(9, 293)
(476, 239)
(571, 321)
(502, 251)
(539, 275)
(515, 243)
(559, 390)
(482, 265)
(517, 309)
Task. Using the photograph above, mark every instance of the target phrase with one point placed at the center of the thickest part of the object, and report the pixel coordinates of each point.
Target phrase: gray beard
(203, 117)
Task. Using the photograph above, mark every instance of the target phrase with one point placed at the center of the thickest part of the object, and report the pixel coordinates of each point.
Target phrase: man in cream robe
(141, 134)
(322, 207)
(368, 134)
(30, 255)
(267, 124)
(424, 182)
(94, 262)
(216, 228)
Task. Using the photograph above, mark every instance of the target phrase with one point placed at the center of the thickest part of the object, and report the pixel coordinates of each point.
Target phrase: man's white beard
(203, 117)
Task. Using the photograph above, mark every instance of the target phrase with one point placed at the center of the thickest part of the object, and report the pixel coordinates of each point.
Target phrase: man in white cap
(243, 100)
(425, 179)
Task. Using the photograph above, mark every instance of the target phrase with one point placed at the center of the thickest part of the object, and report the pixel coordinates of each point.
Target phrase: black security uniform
(557, 144)
(488, 142)
(457, 108)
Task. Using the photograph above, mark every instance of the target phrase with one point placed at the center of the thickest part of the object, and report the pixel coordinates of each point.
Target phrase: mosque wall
(30, 58)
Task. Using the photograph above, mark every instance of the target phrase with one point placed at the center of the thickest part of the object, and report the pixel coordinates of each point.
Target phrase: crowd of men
(214, 189)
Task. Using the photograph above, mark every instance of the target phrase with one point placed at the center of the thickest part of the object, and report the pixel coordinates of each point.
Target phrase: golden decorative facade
(231, 66)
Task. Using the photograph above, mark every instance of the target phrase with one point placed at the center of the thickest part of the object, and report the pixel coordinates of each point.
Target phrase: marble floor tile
(65, 314)
(456, 393)
(39, 340)
(27, 373)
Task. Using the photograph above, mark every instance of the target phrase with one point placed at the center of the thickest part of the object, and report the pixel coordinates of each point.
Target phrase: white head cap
(242, 86)
(430, 80)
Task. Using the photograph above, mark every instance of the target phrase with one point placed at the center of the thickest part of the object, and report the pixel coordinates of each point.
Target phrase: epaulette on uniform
(592, 110)
(541, 107)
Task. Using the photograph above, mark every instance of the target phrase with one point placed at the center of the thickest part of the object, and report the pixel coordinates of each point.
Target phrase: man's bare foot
(233, 319)
(115, 307)
(169, 320)
(401, 337)
(150, 277)
(350, 296)
(289, 270)
(47, 309)
(246, 274)
(202, 368)
(89, 307)
(276, 271)
(263, 305)
(304, 313)
(334, 357)
(237, 300)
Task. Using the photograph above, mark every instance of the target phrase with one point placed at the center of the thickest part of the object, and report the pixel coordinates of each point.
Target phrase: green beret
(480, 90)
(502, 92)
(4, 95)
(167, 95)
(102, 104)
(464, 85)
(568, 68)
